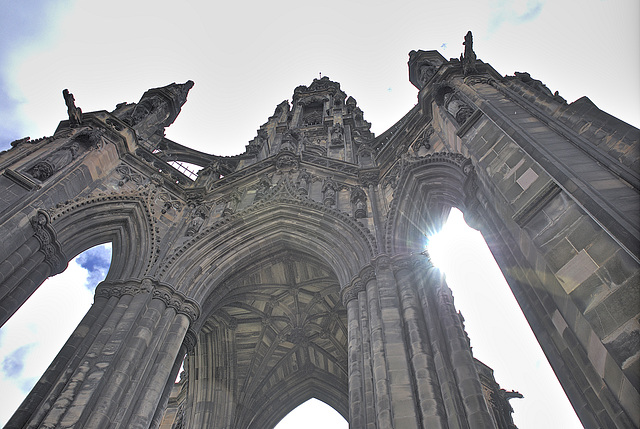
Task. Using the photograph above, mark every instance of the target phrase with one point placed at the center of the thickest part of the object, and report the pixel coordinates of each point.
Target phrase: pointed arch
(291, 393)
(279, 220)
(429, 186)
(125, 221)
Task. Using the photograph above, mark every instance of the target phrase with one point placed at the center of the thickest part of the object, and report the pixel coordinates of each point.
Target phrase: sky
(245, 58)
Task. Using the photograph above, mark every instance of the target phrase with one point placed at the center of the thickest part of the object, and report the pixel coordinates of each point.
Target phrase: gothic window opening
(188, 169)
(312, 115)
(34, 335)
(313, 414)
(494, 322)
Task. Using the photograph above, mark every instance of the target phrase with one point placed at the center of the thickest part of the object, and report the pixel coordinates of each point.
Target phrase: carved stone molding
(351, 292)
(190, 341)
(165, 293)
(46, 236)
(128, 174)
(369, 176)
(367, 274)
(382, 262)
(403, 262)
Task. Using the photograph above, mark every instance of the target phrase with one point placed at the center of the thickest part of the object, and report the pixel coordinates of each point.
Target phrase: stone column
(382, 395)
(357, 405)
(464, 389)
(55, 378)
(117, 378)
(367, 366)
(403, 400)
(423, 370)
(187, 347)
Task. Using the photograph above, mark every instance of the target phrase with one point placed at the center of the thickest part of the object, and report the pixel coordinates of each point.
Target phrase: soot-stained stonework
(296, 269)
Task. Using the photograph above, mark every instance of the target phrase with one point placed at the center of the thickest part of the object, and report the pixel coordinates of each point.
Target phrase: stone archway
(557, 204)
(276, 339)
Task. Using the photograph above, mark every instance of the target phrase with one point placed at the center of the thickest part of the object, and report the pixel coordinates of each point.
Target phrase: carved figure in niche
(329, 192)
(286, 161)
(44, 169)
(303, 181)
(337, 135)
(150, 111)
(197, 219)
(232, 203)
(469, 59)
(365, 157)
(458, 109)
(263, 187)
(289, 141)
(359, 202)
(75, 113)
(426, 72)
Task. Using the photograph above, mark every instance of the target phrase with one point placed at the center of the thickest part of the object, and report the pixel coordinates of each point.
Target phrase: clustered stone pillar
(24, 269)
(114, 370)
(410, 363)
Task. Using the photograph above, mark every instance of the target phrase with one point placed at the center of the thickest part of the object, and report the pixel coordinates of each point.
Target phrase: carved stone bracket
(369, 176)
(167, 294)
(46, 236)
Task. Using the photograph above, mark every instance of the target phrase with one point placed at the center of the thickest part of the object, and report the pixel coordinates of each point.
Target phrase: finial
(468, 60)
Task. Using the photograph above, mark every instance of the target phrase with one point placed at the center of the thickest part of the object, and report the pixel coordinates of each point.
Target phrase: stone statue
(337, 135)
(45, 168)
(458, 109)
(158, 108)
(359, 199)
(75, 113)
(304, 178)
(426, 72)
(329, 192)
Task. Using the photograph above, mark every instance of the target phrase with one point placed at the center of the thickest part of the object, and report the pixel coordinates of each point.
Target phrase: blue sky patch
(97, 261)
(13, 364)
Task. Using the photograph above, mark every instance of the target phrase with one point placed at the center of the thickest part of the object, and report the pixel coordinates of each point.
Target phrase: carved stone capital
(351, 292)
(190, 341)
(403, 262)
(367, 274)
(160, 291)
(382, 262)
(46, 236)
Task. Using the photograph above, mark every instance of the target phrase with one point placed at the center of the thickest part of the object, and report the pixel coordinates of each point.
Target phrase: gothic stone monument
(296, 269)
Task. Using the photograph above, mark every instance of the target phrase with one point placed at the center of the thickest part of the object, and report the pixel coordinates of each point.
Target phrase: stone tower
(296, 269)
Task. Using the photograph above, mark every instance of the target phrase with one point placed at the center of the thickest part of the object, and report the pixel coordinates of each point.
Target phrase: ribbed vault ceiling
(287, 320)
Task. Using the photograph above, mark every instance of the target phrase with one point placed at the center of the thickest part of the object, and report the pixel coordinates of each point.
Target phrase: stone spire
(468, 59)
(158, 108)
